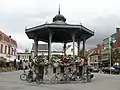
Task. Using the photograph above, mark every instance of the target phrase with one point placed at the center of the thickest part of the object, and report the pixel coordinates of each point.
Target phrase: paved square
(11, 81)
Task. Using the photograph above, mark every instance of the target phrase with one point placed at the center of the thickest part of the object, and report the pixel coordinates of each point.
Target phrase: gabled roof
(7, 38)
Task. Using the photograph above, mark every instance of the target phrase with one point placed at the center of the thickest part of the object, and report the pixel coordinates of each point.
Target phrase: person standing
(24, 64)
(15, 64)
(81, 67)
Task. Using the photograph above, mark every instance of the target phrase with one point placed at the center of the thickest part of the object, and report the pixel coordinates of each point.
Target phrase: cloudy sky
(101, 16)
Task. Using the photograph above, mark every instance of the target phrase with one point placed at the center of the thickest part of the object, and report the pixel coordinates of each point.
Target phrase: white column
(78, 43)
(64, 48)
(49, 46)
(73, 38)
(35, 46)
(84, 41)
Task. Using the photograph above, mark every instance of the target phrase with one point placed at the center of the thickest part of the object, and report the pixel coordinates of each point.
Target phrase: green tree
(2, 61)
(115, 55)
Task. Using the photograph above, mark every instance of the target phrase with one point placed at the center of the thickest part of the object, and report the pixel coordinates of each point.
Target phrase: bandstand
(59, 32)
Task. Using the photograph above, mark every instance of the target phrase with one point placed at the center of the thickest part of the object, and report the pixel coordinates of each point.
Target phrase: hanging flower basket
(40, 61)
(55, 61)
(56, 65)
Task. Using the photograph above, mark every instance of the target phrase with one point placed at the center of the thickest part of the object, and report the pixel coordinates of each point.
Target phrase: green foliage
(40, 60)
(116, 55)
(2, 61)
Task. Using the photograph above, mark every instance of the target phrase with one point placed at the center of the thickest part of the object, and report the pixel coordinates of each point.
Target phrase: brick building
(95, 56)
(8, 47)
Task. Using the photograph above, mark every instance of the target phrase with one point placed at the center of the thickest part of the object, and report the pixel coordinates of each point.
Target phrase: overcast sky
(101, 16)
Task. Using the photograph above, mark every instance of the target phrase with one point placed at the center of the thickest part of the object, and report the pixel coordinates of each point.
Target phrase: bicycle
(37, 78)
(87, 77)
(65, 78)
(55, 79)
(74, 76)
(23, 76)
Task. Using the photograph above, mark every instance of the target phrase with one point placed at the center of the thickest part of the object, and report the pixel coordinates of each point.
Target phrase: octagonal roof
(61, 31)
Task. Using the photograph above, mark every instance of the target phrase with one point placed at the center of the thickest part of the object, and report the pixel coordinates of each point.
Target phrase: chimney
(118, 35)
(10, 39)
(117, 29)
(9, 36)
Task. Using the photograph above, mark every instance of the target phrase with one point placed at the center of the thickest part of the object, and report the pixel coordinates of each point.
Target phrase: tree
(116, 55)
(2, 61)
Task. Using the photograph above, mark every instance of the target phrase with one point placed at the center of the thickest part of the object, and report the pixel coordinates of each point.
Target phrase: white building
(43, 50)
(8, 47)
(24, 56)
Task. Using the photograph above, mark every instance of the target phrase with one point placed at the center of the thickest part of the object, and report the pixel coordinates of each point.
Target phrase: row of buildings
(101, 53)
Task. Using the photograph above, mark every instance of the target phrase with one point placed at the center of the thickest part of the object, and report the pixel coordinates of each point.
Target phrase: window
(2, 37)
(15, 52)
(9, 50)
(18, 57)
(29, 57)
(5, 49)
(12, 52)
(1, 49)
(23, 57)
(72, 50)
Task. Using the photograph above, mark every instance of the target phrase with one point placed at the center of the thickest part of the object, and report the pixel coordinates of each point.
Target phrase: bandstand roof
(61, 31)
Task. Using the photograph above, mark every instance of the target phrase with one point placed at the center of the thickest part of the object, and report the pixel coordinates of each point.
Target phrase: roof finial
(59, 9)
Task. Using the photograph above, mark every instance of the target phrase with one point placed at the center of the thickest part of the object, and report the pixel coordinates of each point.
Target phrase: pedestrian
(21, 65)
(24, 64)
(14, 64)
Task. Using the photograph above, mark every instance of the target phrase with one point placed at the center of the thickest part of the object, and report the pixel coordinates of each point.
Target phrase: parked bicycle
(65, 78)
(34, 77)
(87, 76)
(74, 76)
(55, 79)
(23, 76)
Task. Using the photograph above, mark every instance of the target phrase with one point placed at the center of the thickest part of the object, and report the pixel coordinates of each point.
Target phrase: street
(11, 81)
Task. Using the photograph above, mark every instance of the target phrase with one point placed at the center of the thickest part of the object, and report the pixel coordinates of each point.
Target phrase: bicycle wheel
(23, 77)
(39, 80)
(54, 80)
(89, 78)
(63, 79)
(84, 78)
(29, 79)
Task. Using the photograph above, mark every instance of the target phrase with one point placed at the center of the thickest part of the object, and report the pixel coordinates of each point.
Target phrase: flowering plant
(55, 61)
(40, 60)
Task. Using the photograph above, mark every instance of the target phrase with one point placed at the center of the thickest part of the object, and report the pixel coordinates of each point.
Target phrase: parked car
(117, 67)
(113, 70)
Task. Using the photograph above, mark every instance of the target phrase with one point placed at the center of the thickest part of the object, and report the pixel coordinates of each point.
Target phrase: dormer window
(2, 37)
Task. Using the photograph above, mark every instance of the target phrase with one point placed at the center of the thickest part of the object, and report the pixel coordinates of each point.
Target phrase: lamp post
(111, 41)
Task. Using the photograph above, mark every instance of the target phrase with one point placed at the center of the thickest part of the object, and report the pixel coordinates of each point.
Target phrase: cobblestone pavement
(11, 81)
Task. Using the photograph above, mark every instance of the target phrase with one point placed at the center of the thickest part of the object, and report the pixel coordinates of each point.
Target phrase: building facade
(43, 50)
(115, 39)
(24, 56)
(95, 56)
(8, 47)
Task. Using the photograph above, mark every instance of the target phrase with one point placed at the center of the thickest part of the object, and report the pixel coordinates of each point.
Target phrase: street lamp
(111, 41)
